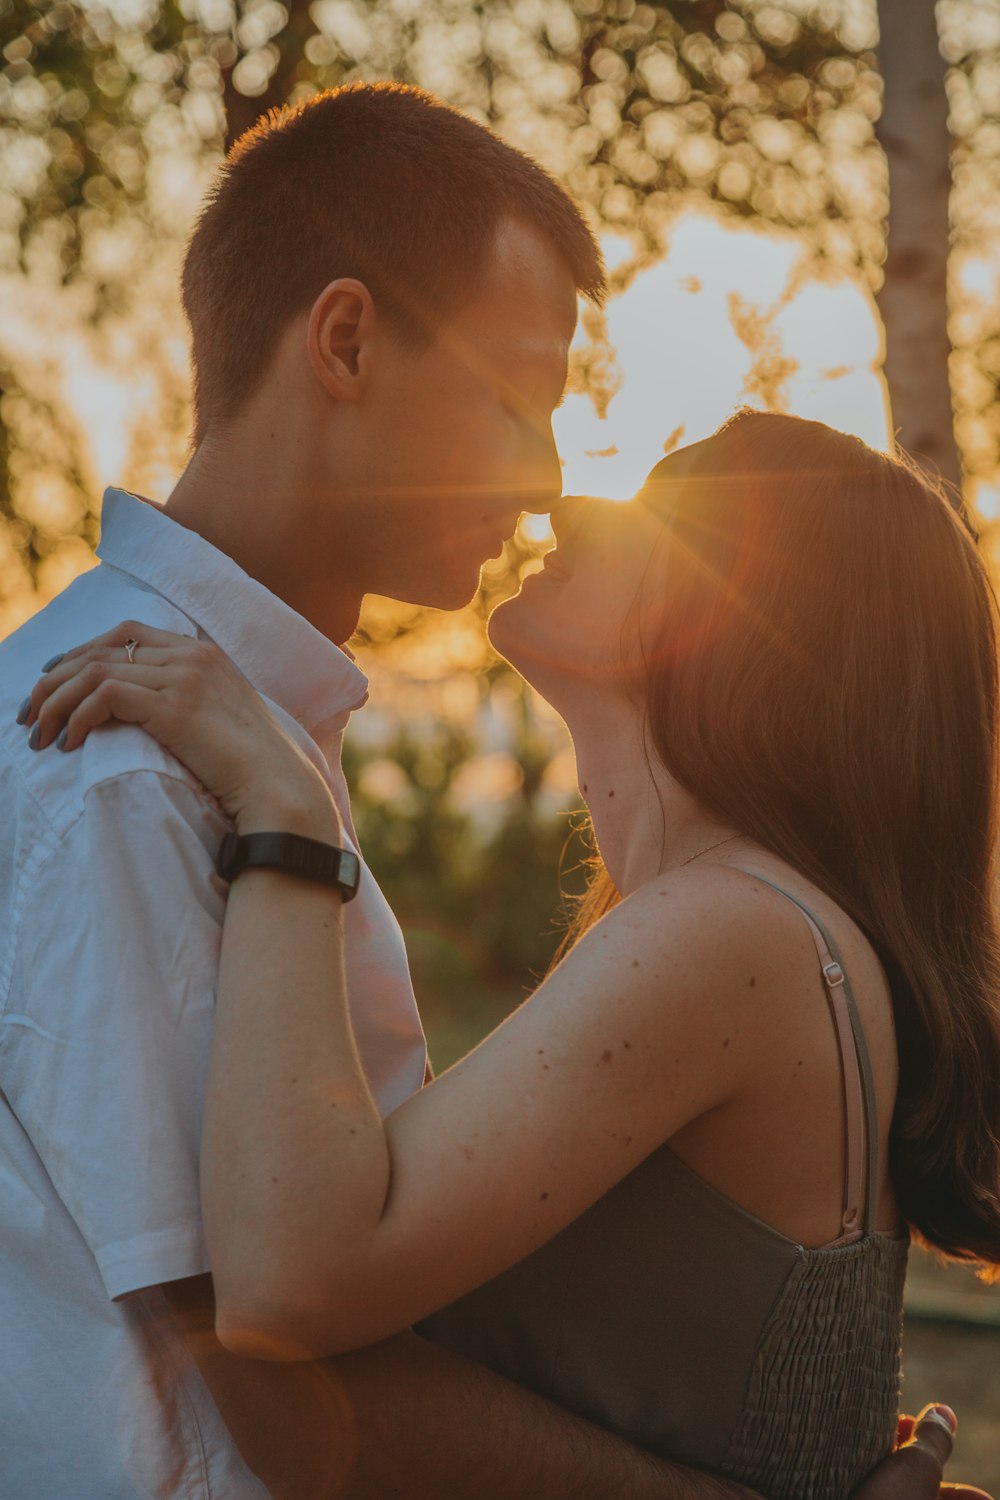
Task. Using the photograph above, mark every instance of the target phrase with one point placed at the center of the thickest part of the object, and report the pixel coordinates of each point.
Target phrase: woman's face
(578, 623)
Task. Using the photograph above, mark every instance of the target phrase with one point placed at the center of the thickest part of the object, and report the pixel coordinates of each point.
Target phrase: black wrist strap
(294, 855)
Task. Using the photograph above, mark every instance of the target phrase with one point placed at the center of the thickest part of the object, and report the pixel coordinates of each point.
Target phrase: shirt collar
(280, 653)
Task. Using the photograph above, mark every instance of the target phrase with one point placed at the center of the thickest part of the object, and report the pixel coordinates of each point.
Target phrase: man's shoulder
(94, 603)
(54, 785)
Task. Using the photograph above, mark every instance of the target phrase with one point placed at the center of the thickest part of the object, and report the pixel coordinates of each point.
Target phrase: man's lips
(555, 566)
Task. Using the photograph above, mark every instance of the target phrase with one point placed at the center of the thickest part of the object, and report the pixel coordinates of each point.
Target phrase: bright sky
(684, 366)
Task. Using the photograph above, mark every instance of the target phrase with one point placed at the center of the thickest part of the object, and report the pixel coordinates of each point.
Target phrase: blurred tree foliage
(113, 113)
(765, 108)
(482, 904)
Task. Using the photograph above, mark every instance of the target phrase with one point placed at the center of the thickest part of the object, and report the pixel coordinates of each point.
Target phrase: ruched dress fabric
(673, 1316)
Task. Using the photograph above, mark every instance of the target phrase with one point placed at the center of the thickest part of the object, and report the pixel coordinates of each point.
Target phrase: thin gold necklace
(731, 839)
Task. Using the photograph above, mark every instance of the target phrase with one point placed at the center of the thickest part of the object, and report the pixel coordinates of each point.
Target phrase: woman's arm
(330, 1229)
(327, 1228)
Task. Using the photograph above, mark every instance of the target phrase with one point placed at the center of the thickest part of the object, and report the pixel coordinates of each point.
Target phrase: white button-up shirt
(110, 923)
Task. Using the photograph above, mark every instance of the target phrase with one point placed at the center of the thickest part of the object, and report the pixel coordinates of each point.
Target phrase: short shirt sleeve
(109, 1017)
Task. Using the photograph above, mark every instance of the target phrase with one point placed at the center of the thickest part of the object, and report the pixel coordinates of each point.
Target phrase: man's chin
(440, 593)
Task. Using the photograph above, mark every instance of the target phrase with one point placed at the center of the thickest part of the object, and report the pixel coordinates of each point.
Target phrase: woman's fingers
(132, 646)
(115, 698)
(89, 666)
(128, 630)
(187, 694)
(61, 708)
(120, 644)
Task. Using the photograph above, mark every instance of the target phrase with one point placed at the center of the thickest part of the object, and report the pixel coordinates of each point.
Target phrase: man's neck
(245, 500)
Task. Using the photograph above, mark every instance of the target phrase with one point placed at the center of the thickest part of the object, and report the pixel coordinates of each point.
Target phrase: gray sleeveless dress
(675, 1317)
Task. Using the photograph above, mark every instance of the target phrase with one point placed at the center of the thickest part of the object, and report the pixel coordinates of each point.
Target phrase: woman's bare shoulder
(687, 946)
(715, 952)
(715, 913)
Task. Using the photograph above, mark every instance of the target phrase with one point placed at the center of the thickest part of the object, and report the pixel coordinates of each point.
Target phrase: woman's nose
(569, 513)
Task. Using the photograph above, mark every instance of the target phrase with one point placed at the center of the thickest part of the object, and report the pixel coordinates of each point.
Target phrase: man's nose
(541, 474)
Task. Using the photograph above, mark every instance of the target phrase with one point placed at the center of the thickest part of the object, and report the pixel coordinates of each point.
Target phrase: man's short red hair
(377, 181)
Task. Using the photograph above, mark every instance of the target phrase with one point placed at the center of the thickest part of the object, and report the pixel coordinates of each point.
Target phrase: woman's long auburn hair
(823, 677)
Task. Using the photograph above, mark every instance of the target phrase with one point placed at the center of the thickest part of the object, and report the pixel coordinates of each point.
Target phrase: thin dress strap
(861, 1174)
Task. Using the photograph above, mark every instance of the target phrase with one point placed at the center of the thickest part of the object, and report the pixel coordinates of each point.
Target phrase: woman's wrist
(287, 805)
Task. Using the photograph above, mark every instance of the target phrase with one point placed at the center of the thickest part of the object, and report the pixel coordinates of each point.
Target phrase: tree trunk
(913, 133)
(242, 111)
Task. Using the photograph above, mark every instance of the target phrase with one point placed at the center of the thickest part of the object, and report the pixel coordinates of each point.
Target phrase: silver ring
(131, 647)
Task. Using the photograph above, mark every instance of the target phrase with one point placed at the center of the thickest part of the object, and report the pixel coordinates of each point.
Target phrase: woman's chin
(518, 635)
(507, 631)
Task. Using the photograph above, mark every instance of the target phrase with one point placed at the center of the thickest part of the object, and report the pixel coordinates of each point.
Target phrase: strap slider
(833, 974)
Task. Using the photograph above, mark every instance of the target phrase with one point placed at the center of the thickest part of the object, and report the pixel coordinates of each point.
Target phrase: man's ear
(340, 323)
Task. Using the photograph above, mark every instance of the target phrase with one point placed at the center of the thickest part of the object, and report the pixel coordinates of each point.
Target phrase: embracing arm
(403, 1418)
(330, 1229)
(327, 1228)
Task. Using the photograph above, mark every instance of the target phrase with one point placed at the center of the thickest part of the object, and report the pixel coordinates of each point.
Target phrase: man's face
(456, 439)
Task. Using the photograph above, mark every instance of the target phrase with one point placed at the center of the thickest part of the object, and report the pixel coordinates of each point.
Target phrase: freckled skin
(753, 980)
(543, 1197)
(606, 1055)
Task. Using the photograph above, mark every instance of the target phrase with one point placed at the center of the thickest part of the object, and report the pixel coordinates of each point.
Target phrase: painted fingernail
(53, 662)
(23, 712)
(35, 736)
(61, 739)
(942, 1413)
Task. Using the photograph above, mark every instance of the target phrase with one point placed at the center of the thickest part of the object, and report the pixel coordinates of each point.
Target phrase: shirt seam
(184, 1394)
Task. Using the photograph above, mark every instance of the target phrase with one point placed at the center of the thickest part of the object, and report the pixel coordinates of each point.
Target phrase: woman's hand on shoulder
(188, 695)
